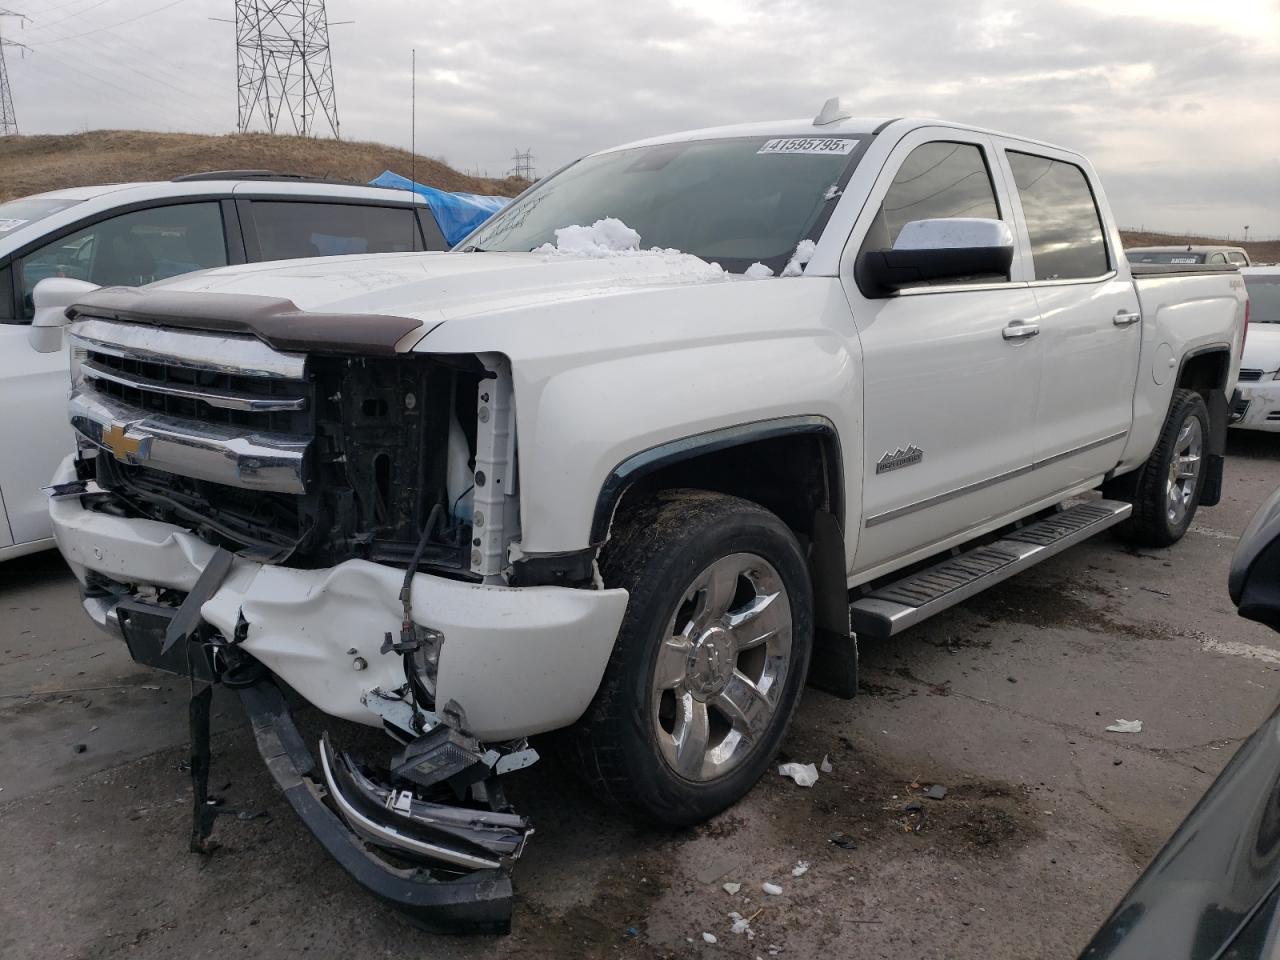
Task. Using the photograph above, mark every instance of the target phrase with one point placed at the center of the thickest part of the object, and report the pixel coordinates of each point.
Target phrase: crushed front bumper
(518, 660)
(1257, 405)
(478, 901)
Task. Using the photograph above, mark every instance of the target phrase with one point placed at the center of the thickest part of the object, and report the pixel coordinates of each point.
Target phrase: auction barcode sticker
(839, 146)
(7, 225)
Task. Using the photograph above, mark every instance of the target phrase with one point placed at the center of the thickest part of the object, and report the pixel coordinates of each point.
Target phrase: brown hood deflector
(276, 322)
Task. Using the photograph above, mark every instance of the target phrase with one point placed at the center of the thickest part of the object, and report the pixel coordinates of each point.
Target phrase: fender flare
(655, 458)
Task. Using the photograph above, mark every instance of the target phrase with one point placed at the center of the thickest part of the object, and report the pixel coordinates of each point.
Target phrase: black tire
(1148, 487)
(657, 552)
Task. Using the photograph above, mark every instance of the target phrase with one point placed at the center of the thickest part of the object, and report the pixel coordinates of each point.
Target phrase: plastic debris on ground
(1125, 726)
(741, 925)
(936, 792)
(731, 888)
(771, 888)
(631, 933)
(844, 841)
(800, 869)
(804, 774)
(709, 938)
(825, 765)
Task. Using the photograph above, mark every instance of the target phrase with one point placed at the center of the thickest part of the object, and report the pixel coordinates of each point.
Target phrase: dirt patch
(1057, 604)
(868, 801)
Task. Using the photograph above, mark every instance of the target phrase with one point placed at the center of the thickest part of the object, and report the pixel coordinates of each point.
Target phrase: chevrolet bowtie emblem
(899, 458)
(123, 447)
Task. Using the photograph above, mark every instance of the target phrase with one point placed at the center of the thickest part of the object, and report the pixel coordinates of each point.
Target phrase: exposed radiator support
(496, 520)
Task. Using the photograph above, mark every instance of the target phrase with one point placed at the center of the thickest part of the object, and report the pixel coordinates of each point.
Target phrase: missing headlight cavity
(388, 440)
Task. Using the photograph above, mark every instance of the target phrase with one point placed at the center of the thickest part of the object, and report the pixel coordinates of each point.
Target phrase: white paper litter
(709, 937)
(757, 271)
(740, 924)
(771, 888)
(804, 774)
(825, 765)
(1125, 726)
(731, 888)
(800, 869)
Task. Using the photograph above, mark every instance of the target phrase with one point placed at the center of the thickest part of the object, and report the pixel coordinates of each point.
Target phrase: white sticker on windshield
(7, 225)
(839, 146)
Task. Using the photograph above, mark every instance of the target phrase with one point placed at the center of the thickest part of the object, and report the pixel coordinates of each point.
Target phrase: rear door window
(1062, 218)
(291, 229)
(131, 249)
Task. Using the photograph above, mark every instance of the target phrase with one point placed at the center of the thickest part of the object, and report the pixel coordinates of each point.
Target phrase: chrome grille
(217, 407)
(1247, 376)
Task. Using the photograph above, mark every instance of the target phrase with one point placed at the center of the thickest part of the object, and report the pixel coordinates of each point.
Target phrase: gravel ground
(1004, 700)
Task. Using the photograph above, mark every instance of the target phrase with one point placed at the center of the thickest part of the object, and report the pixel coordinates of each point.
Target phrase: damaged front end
(300, 456)
(439, 849)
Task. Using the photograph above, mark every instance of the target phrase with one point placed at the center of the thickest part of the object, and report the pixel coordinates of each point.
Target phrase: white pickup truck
(639, 457)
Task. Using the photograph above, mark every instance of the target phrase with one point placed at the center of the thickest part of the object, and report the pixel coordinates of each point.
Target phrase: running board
(899, 605)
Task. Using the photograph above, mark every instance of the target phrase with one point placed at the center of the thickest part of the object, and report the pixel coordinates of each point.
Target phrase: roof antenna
(831, 112)
(413, 148)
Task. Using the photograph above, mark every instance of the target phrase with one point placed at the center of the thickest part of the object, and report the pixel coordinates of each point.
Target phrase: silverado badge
(899, 458)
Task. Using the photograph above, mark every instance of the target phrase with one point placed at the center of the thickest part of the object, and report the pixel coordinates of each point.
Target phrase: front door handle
(1125, 319)
(1021, 330)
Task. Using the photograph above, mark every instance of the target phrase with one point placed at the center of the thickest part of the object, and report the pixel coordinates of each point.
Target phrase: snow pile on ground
(805, 250)
(602, 238)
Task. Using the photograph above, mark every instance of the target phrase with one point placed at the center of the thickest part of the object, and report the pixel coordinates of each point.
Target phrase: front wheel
(709, 662)
(1165, 491)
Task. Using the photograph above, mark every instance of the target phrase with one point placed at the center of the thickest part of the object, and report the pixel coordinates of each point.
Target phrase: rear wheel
(1165, 491)
(710, 659)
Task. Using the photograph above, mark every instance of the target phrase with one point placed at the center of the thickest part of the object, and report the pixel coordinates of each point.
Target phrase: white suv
(128, 234)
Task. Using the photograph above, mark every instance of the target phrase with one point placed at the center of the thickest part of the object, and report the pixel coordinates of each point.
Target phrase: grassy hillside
(38, 163)
(1263, 251)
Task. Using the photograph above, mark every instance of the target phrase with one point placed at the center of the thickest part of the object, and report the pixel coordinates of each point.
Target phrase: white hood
(435, 287)
(1262, 348)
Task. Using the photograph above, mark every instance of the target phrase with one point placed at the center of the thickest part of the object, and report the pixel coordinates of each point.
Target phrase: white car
(1257, 403)
(639, 458)
(135, 233)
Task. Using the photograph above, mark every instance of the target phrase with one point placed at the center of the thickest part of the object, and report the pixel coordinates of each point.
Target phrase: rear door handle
(1124, 318)
(1021, 330)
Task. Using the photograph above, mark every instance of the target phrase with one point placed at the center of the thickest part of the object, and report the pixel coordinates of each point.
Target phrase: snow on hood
(610, 238)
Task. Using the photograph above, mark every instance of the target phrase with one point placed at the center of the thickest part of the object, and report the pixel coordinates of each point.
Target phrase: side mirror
(958, 248)
(1254, 580)
(51, 297)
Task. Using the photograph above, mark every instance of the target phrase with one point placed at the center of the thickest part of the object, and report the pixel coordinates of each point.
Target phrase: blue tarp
(456, 213)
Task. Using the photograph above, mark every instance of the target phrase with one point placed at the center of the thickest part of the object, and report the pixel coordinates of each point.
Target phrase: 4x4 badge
(899, 458)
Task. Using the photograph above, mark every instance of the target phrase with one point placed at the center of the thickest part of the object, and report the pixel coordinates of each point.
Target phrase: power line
(112, 26)
(284, 71)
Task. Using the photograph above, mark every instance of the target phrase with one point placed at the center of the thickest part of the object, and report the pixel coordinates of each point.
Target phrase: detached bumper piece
(445, 867)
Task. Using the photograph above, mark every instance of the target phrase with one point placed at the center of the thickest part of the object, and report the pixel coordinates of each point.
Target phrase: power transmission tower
(284, 74)
(8, 118)
(523, 164)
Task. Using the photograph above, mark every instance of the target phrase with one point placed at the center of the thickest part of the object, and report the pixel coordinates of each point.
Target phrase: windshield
(1264, 298)
(1174, 256)
(734, 202)
(17, 214)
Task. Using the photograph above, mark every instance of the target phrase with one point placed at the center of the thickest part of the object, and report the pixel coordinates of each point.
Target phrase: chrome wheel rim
(719, 674)
(1184, 470)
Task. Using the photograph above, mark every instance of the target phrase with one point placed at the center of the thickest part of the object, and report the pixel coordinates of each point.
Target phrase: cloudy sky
(1177, 101)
